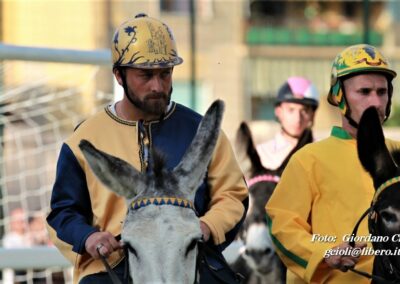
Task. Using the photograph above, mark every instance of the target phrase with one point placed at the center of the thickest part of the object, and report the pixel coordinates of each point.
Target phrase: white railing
(43, 257)
(28, 53)
(27, 264)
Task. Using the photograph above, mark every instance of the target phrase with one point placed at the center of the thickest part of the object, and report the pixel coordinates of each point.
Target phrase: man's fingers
(99, 246)
(115, 245)
(104, 251)
(333, 261)
(347, 262)
(101, 243)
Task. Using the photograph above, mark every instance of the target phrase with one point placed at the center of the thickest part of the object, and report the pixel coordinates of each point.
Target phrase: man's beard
(153, 104)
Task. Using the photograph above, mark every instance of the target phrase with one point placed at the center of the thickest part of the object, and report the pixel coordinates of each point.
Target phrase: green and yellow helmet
(144, 42)
(357, 59)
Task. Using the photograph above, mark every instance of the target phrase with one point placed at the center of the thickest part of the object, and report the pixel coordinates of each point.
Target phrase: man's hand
(344, 262)
(104, 241)
(205, 230)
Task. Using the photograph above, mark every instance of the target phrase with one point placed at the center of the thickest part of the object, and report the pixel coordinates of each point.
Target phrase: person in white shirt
(295, 107)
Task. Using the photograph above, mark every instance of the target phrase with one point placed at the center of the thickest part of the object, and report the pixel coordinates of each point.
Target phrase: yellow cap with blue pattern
(144, 42)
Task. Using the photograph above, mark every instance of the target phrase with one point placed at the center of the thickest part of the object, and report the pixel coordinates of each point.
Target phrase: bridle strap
(354, 233)
(111, 272)
(383, 186)
(163, 200)
(204, 250)
(371, 210)
(352, 244)
(198, 259)
(261, 178)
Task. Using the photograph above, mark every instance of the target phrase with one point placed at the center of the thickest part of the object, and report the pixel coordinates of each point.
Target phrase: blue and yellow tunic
(81, 205)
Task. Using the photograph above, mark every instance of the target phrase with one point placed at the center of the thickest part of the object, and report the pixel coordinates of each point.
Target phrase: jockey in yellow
(324, 189)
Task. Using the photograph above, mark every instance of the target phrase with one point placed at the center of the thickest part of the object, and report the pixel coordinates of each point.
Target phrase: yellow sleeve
(289, 214)
(227, 191)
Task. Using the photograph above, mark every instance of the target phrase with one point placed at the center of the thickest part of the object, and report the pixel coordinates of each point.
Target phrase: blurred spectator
(16, 237)
(37, 230)
(24, 232)
(38, 237)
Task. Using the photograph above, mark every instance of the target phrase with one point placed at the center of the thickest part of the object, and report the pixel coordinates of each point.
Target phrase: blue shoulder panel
(173, 135)
(71, 212)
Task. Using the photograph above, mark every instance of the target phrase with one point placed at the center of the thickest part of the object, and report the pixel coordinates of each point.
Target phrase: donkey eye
(131, 249)
(191, 246)
(389, 217)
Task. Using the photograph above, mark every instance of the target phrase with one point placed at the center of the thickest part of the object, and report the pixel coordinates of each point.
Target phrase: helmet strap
(125, 85)
(348, 111)
(288, 134)
(351, 121)
(389, 103)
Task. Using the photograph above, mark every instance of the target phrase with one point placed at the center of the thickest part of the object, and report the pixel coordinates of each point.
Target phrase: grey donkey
(161, 229)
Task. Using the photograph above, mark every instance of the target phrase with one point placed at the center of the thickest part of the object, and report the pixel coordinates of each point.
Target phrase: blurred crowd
(25, 230)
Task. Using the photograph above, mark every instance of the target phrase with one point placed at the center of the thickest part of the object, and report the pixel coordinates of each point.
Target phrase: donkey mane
(158, 160)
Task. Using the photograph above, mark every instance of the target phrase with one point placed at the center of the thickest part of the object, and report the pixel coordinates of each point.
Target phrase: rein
(205, 249)
(372, 214)
(111, 272)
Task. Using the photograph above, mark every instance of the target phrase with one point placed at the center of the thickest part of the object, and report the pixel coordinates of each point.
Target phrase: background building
(243, 51)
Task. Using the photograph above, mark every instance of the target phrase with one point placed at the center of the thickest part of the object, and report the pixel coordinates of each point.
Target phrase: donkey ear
(372, 151)
(305, 138)
(193, 166)
(245, 137)
(114, 173)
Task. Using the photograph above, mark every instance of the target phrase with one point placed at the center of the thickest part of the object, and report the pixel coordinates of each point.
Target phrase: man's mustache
(156, 96)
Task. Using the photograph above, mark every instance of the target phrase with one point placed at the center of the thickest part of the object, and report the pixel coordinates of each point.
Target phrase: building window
(175, 6)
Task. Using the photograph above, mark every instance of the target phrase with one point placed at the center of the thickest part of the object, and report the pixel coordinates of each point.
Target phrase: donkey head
(375, 157)
(258, 250)
(263, 181)
(162, 240)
